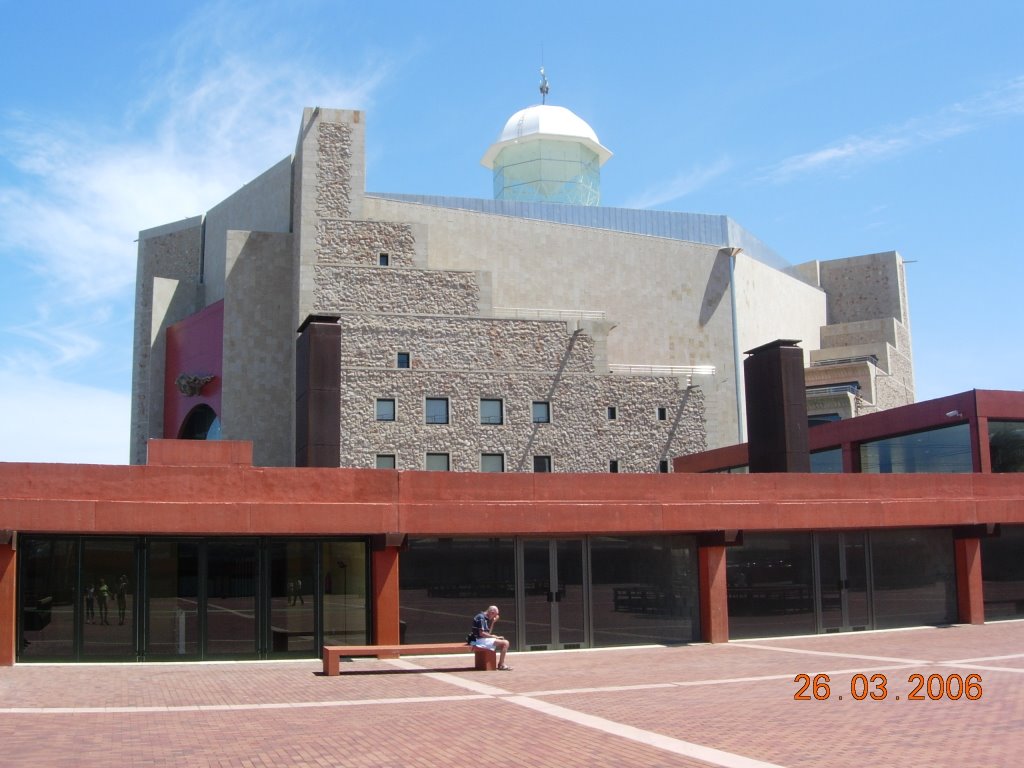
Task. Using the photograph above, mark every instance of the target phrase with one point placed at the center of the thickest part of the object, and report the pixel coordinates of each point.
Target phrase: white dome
(543, 121)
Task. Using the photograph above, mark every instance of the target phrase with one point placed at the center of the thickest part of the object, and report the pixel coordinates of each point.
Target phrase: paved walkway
(698, 705)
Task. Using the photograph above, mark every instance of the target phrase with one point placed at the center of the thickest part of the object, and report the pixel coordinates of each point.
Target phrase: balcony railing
(528, 313)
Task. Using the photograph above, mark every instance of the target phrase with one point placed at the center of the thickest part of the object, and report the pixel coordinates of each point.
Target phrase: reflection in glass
(345, 593)
(1006, 445)
(445, 582)
(1002, 570)
(644, 590)
(914, 577)
(569, 600)
(231, 598)
(770, 585)
(292, 597)
(830, 461)
(946, 450)
(108, 570)
(47, 586)
(172, 587)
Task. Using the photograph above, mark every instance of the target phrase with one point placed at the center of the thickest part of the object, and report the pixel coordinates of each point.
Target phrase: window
(403, 360)
(385, 461)
(491, 411)
(662, 413)
(541, 463)
(385, 409)
(437, 462)
(437, 410)
(492, 462)
(613, 413)
(663, 466)
(613, 466)
(384, 260)
(541, 412)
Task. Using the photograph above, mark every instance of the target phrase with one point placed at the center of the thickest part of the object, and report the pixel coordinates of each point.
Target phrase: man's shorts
(484, 642)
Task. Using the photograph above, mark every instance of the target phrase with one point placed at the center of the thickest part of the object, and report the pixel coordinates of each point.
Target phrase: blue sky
(826, 129)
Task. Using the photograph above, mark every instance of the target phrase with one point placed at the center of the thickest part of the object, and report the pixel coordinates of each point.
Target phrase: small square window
(384, 260)
(402, 360)
(437, 410)
(492, 462)
(663, 466)
(541, 412)
(662, 414)
(437, 462)
(613, 413)
(613, 466)
(541, 463)
(385, 461)
(385, 409)
(491, 411)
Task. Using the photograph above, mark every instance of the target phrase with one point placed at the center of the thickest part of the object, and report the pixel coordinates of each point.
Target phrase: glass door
(231, 620)
(552, 593)
(843, 595)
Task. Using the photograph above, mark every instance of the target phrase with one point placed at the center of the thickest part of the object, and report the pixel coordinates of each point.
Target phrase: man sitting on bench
(481, 635)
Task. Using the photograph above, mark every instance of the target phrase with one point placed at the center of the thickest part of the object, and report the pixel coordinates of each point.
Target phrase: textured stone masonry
(334, 164)
(343, 288)
(579, 438)
(455, 343)
(342, 241)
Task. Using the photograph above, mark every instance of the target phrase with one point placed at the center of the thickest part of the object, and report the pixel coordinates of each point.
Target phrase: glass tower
(547, 154)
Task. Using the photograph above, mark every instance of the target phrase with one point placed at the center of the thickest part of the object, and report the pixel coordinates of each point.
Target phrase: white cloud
(682, 185)
(954, 120)
(50, 420)
(84, 186)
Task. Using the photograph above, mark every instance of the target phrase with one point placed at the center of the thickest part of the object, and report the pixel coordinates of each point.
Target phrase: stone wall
(362, 242)
(334, 169)
(462, 344)
(580, 437)
(342, 288)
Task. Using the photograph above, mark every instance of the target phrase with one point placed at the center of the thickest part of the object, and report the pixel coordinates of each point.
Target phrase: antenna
(544, 88)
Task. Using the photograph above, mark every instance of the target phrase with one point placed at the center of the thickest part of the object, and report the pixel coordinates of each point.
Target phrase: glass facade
(770, 582)
(644, 590)
(445, 582)
(154, 598)
(914, 577)
(553, 593)
(830, 461)
(49, 594)
(1006, 445)
(947, 449)
(801, 583)
(1002, 573)
(345, 593)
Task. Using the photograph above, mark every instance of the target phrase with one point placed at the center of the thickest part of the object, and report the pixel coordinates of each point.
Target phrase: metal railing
(873, 359)
(528, 313)
(835, 389)
(680, 371)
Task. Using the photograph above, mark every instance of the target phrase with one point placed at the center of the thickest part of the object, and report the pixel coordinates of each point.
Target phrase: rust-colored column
(970, 596)
(384, 565)
(8, 604)
(714, 598)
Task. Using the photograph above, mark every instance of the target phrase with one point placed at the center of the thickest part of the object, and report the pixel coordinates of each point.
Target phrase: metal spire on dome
(543, 86)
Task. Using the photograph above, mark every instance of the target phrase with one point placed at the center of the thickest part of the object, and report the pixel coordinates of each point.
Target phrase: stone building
(335, 327)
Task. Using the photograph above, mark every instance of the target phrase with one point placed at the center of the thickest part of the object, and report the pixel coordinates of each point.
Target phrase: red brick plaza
(698, 705)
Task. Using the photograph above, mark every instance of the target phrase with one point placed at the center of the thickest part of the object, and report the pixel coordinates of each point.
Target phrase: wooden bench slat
(485, 658)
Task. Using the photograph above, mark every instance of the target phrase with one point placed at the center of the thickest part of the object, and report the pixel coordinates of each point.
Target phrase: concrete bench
(485, 659)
